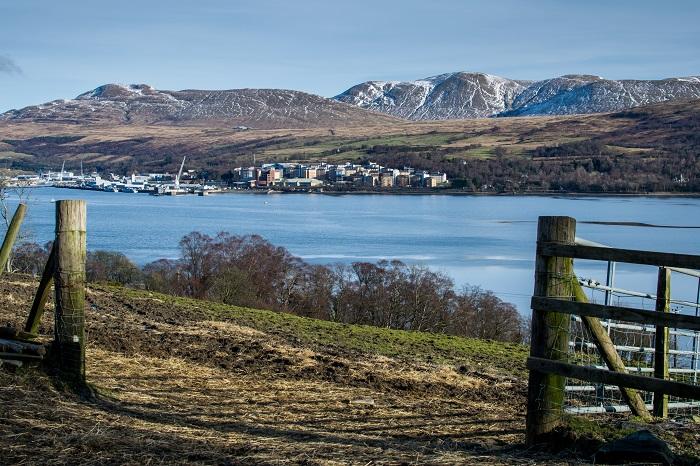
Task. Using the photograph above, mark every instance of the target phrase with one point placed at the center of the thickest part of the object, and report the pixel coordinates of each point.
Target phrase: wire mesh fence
(635, 344)
(70, 327)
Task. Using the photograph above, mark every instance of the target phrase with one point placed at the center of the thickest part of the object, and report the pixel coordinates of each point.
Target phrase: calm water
(486, 241)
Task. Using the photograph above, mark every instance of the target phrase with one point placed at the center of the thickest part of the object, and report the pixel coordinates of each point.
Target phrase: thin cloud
(8, 66)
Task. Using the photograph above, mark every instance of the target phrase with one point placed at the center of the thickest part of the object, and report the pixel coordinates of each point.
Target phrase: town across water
(487, 241)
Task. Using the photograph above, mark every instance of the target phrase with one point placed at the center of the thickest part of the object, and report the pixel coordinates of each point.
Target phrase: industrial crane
(179, 174)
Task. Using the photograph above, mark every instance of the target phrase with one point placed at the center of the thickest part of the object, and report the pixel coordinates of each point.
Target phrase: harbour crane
(179, 174)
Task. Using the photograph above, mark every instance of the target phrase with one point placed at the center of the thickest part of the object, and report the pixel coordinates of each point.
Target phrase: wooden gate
(558, 295)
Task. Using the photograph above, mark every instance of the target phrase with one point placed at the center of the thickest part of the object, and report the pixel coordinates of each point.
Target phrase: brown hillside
(181, 381)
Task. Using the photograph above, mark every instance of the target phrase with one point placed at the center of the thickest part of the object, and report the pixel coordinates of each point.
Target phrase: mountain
(144, 105)
(448, 96)
(476, 95)
(572, 94)
(445, 97)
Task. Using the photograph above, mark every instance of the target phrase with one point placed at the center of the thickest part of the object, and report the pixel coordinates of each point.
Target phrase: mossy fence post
(11, 236)
(550, 330)
(69, 281)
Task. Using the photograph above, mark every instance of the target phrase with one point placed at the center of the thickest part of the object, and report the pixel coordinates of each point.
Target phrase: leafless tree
(250, 271)
(30, 257)
(111, 267)
(481, 314)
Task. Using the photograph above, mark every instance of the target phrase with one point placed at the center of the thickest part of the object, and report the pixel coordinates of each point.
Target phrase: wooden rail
(591, 374)
(630, 256)
(553, 301)
(42, 294)
(628, 314)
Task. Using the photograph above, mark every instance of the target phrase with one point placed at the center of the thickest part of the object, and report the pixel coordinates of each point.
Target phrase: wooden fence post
(663, 297)
(11, 236)
(70, 250)
(550, 330)
(42, 294)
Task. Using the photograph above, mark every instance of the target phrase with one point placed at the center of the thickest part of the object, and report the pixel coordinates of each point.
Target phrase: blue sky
(53, 49)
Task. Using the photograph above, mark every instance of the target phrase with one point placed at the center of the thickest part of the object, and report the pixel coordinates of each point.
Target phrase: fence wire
(635, 344)
(70, 325)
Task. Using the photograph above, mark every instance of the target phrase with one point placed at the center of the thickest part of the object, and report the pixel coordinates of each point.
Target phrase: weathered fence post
(42, 294)
(11, 236)
(70, 250)
(663, 297)
(550, 330)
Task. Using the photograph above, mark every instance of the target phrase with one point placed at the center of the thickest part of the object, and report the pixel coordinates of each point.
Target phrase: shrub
(30, 258)
(111, 267)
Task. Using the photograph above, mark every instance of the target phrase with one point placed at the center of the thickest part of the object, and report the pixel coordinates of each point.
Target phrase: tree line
(250, 271)
(585, 166)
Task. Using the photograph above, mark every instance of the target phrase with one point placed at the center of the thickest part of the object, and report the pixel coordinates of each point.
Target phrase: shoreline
(551, 194)
(437, 192)
(458, 193)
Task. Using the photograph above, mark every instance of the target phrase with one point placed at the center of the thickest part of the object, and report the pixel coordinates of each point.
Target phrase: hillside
(655, 143)
(182, 381)
(140, 104)
(571, 94)
(450, 96)
(479, 95)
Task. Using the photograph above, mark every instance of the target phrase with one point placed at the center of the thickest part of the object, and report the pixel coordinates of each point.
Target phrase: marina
(156, 184)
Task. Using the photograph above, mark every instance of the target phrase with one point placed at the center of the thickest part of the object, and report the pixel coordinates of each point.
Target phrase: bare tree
(4, 193)
(481, 314)
(30, 257)
(112, 267)
(250, 271)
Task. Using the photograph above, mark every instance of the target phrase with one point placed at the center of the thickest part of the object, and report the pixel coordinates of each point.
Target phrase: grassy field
(180, 381)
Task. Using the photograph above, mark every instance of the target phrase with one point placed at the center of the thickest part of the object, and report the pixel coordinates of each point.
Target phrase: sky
(53, 49)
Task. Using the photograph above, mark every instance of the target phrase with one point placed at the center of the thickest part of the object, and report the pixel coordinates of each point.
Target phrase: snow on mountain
(591, 94)
(447, 96)
(477, 95)
(142, 104)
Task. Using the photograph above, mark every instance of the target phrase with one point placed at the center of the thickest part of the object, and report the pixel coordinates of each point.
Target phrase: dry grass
(179, 381)
(153, 410)
(169, 389)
